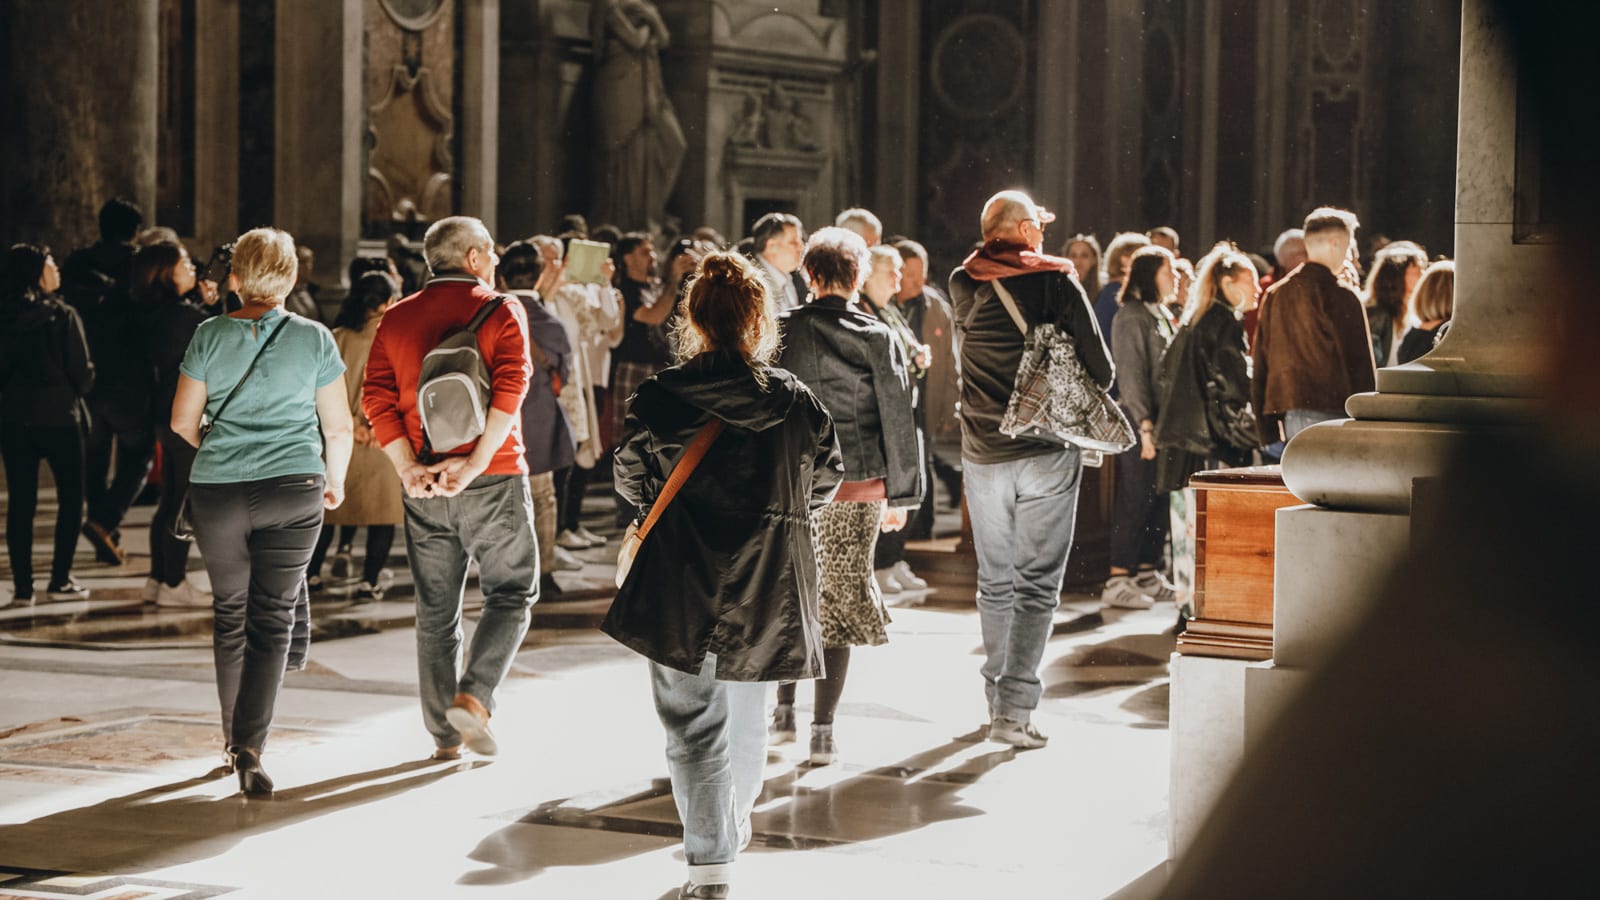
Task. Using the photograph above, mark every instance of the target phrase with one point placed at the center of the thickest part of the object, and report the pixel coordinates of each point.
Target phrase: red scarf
(1002, 259)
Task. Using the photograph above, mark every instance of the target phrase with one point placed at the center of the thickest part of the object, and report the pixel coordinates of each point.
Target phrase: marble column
(480, 111)
(1358, 476)
(216, 123)
(317, 175)
(79, 109)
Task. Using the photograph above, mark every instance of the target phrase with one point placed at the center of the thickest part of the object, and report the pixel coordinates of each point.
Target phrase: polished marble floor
(109, 752)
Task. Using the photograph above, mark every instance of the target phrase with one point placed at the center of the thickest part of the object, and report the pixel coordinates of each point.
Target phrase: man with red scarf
(1022, 494)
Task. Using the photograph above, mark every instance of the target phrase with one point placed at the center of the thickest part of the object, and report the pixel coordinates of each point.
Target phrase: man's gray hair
(543, 241)
(1288, 235)
(859, 220)
(446, 244)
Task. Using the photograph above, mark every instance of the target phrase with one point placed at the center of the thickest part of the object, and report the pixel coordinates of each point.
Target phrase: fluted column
(79, 113)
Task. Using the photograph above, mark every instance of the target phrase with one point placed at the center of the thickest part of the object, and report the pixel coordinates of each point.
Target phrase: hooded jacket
(731, 566)
(45, 369)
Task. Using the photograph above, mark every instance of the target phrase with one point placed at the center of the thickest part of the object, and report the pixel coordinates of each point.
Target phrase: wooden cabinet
(1234, 528)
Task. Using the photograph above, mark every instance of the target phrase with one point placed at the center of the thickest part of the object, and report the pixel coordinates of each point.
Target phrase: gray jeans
(1023, 514)
(256, 538)
(491, 522)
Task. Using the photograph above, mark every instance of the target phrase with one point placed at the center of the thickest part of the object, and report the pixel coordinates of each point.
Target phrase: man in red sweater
(471, 503)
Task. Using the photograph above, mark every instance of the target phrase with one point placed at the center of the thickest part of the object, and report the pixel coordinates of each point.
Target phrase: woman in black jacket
(44, 374)
(722, 595)
(861, 374)
(166, 289)
(1204, 382)
(1140, 519)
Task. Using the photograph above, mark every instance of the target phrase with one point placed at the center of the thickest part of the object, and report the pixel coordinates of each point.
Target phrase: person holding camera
(463, 503)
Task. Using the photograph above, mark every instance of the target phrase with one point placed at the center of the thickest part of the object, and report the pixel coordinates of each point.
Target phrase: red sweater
(415, 326)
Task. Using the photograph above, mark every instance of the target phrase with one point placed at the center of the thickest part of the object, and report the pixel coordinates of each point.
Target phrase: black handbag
(183, 523)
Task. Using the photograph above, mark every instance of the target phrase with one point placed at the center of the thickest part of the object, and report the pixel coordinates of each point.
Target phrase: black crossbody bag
(183, 522)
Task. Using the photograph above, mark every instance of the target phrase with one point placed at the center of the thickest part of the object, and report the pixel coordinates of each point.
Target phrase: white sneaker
(887, 583)
(908, 579)
(151, 586)
(184, 595)
(570, 540)
(594, 540)
(1153, 585)
(565, 561)
(1016, 732)
(1121, 592)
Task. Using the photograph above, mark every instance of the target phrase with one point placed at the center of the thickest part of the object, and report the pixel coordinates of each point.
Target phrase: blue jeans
(716, 751)
(492, 522)
(1023, 514)
(1298, 420)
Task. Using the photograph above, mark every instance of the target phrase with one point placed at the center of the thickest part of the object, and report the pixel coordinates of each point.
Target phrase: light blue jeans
(1023, 513)
(492, 522)
(1298, 420)
(716, 752)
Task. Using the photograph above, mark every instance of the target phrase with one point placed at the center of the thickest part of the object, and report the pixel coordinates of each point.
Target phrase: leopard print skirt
(853, 614)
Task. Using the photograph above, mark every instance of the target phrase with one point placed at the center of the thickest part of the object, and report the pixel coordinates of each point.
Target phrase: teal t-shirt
(271, 427)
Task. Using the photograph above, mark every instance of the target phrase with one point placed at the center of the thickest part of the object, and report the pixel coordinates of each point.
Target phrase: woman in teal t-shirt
(260, 482)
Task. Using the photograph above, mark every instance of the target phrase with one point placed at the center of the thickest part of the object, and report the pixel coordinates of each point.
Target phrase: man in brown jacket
(1311, 350)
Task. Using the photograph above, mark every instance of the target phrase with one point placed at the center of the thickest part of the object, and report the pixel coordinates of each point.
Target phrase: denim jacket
(858, 370)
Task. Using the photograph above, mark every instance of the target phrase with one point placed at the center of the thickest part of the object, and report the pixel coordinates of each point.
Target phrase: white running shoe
(1122, 593)
(1153, 585)
(565, 561)
(571, 540)
(151, 586)
(185, 595)
(887, 583)
(594, 540)
(908, 579)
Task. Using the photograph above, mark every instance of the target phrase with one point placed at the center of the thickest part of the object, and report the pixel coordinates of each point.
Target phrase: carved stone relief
(408, 175)
(773, 120)
(411, 60)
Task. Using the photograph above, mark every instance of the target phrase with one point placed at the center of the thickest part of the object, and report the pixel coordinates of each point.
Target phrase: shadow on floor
(791, 814)
(142, 831)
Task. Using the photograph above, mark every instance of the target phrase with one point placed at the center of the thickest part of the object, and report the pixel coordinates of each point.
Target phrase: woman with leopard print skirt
(854, 365)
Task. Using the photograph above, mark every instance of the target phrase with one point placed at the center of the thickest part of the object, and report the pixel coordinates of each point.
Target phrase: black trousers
(571, 483)
(1141, 517)
(128, 427)
(24, 447)
(380, 540)
(256, 538)
(169, 557)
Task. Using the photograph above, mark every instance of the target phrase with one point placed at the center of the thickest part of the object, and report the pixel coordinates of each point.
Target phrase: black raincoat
(731, 566)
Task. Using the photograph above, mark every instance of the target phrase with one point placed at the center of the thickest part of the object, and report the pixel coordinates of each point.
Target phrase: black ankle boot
(253, 780)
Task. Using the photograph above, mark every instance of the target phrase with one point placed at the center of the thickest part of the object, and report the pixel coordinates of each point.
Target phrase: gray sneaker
(782, 730)
(703, 891)
(1153, 585)
(823, 751)
(1016, 732)
(1122, 593)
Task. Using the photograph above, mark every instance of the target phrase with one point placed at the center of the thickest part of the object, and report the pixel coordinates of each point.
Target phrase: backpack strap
(485, 311)
(1011, 306)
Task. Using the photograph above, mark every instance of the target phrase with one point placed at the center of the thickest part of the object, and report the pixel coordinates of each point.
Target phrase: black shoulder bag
(183, 522)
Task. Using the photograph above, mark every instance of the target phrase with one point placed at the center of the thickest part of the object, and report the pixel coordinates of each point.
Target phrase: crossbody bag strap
(695, 452)
(251, 368)
(1011, 306)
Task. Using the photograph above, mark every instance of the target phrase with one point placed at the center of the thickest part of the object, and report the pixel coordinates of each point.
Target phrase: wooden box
(1234, 534)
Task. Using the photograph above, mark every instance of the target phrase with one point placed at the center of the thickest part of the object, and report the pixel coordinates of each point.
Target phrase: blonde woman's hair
(265, 262)
(729, 309)
(1224, 261)
(1433, 298)
(1114, 265)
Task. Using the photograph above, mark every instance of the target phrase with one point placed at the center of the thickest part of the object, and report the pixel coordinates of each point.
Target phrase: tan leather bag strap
(692, 455)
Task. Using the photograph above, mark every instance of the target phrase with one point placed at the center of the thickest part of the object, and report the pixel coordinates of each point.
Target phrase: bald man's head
(1006, 212)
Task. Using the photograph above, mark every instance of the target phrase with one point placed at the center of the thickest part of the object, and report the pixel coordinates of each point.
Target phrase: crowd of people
(823, 382)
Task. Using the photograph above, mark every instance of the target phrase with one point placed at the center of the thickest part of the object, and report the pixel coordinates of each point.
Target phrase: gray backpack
(453, 390)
